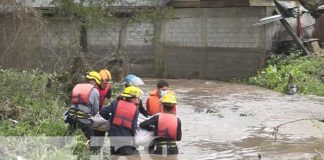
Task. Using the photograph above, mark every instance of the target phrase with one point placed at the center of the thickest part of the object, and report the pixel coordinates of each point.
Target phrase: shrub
(307, 73)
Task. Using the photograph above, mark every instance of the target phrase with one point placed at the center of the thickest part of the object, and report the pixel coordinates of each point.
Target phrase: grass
(306, 72)
(37, 101)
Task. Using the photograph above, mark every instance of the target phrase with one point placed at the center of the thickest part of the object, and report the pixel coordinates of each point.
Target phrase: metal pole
(294, 35)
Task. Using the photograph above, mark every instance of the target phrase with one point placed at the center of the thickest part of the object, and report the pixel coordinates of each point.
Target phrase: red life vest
(153, 104)
(124, 114)
(102, 95)
(167, 126)
(81, 94)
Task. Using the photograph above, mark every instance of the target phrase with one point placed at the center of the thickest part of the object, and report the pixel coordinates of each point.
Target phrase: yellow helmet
(95, 76)
(169, 98)
(132, 91)
(105, 74)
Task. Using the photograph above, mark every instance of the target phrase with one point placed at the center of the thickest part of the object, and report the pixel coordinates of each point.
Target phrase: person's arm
(94, 101)
(179, 132)
(142, 109)
(150, 124)
(134, 123)
(148, 106)
(107, 111)
(108, 95)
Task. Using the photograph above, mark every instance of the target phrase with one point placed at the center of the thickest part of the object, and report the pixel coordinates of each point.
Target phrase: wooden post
(204, 44)
(158, 50)
(295, 37)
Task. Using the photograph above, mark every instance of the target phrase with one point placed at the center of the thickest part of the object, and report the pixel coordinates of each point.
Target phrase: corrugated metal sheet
(46, 3)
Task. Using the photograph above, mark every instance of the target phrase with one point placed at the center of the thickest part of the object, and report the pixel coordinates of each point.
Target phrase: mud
(231, 121)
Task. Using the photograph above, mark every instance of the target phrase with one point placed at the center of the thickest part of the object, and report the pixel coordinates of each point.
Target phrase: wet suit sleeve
(147, 105)
(106, 112)
(142, 109)
(179, 132)
(108, 95)
(134, 123)
(150, 124)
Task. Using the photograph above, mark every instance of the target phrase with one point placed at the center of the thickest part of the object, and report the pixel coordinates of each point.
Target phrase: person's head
(94, 78)
(162, 87)
(106, 77)
(132, 80)
(168, 102)
(132, 94)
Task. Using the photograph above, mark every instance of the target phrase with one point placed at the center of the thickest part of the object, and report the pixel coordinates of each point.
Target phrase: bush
(307, 73)
(28, 98)
(32, 105)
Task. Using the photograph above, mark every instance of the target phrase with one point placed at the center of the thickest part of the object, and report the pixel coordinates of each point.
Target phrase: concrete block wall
(222, 44)
(183, 32)
(138, 45)
(140, 34)
(206, 43)
(232, 32)
(136, 35)
(106, 38)
(58, 33)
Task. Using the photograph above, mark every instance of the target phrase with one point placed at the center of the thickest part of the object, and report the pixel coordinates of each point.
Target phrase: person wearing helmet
(104, 87)
(153, 104)
(132, 80)
(104, 92)
(166, 126)
(123, 116)
(84, 103)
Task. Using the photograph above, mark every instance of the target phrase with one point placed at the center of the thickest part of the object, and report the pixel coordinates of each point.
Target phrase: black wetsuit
(152, 125)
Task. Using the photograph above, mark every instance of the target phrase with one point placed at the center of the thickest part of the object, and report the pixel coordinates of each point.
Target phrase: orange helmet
(105, 75)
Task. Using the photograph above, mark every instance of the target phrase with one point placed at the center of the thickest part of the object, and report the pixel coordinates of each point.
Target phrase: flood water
(232, 121)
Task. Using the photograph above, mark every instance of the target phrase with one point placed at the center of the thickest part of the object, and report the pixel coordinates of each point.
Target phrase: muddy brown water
(233, 121)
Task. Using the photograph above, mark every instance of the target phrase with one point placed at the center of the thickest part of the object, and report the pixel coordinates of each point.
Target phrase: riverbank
(219, 120)
(307, 73)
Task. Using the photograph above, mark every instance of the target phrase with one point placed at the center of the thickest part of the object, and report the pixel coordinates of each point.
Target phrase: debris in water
(198, 110)
(211, 110)
(208, 83)
(14, 121)
(243, 115)
(20, 158)
(220, 116)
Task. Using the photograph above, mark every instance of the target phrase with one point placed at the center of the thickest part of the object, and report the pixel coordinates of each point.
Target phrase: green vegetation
(32, 101)
(37, 101)
(307, 72)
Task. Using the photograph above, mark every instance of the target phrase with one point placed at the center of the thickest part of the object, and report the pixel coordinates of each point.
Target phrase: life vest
(81, 94)
(102, 95)
(167, 126)
(124, 114)
(154, 106)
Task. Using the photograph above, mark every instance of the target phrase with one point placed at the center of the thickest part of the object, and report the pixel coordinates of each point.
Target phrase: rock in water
(292, 89)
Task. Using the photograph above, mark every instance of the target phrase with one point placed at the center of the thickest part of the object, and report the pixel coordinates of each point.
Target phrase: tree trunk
(83, 38)
(121, 35)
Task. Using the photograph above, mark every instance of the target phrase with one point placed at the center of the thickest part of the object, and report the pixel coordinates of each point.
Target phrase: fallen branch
(276, 128)
(321, 154)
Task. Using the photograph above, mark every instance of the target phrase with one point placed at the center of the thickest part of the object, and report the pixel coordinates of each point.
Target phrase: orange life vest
(124, 114)
(167, 126)
(102, 95)
(81, 94)
(153, 104)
